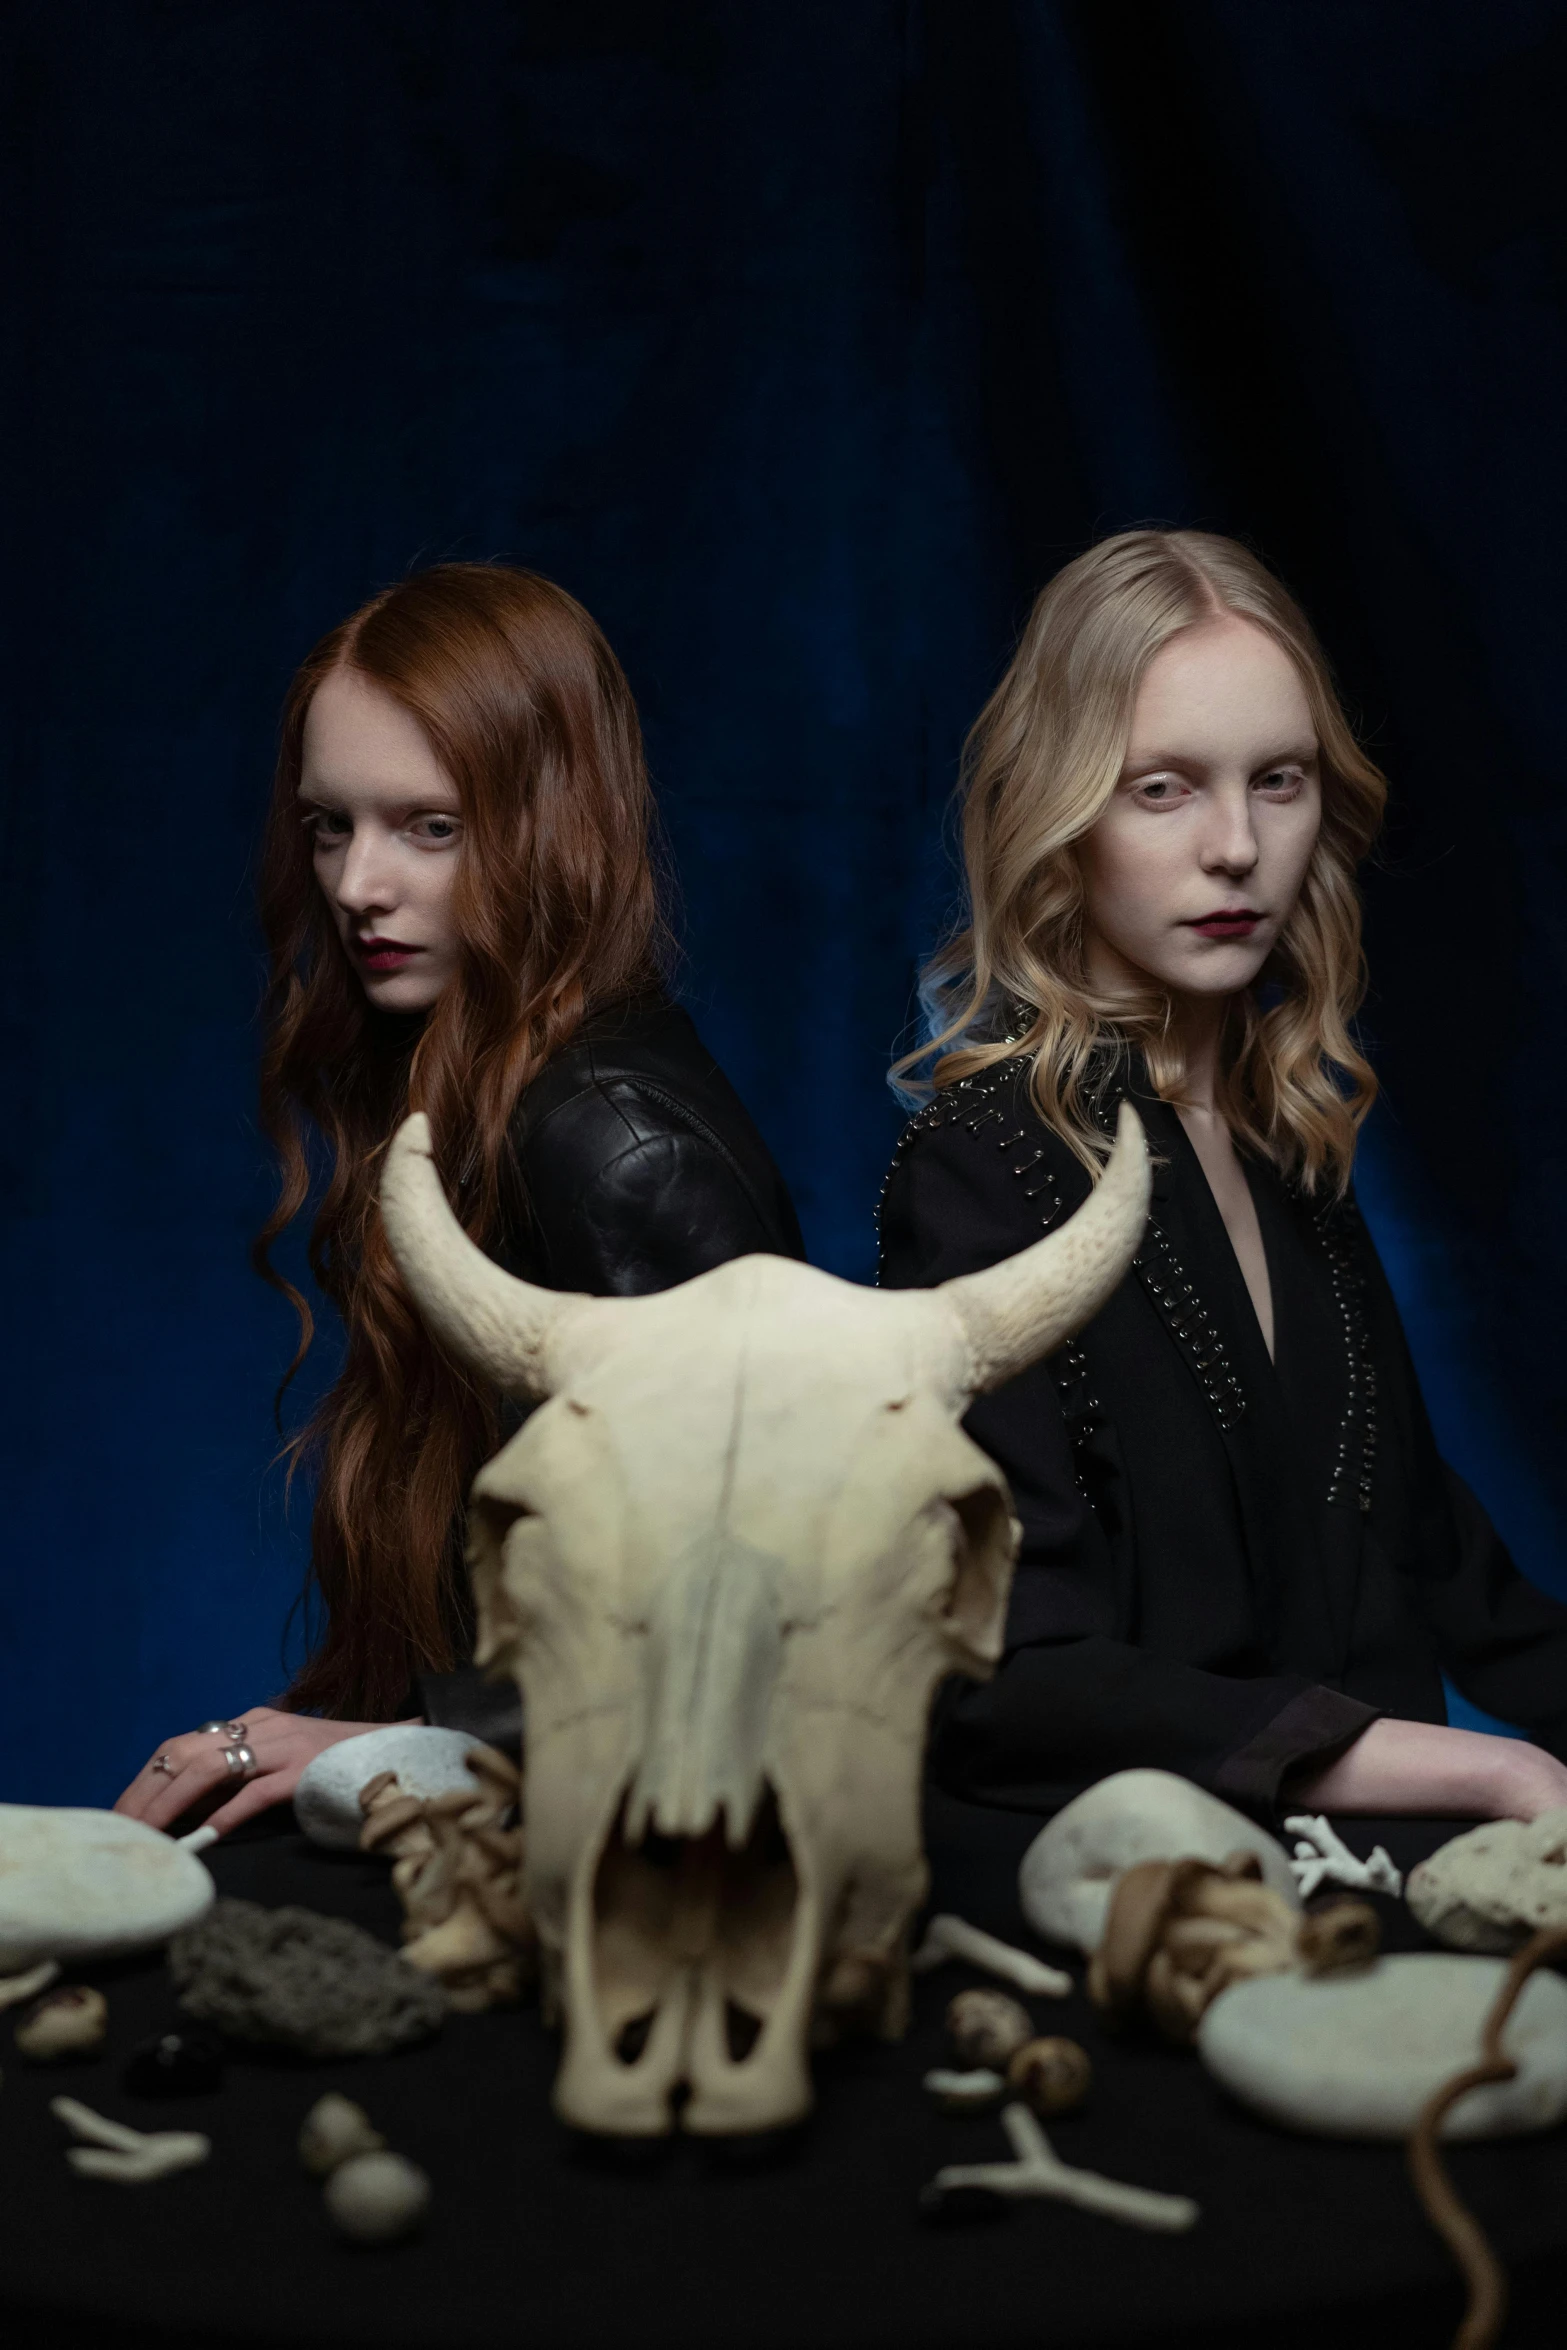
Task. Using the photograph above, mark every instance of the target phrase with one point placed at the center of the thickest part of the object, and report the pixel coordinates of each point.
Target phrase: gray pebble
(377, 2198)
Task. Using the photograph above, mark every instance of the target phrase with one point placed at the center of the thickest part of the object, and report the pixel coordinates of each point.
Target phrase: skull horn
(1015, 1312)
(487, 1320)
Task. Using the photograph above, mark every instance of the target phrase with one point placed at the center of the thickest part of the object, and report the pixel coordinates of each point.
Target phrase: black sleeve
(1501, 1639)
(1072, 1699)
(627, 1195)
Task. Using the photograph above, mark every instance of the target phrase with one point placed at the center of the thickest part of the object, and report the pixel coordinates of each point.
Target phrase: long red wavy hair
(557, 909)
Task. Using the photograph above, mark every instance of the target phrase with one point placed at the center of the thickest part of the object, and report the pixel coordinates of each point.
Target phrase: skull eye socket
(982, 1550)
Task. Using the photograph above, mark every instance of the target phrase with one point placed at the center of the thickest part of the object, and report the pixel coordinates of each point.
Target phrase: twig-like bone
(15, 1988)
(1323, 1858)
(130, 2156)
(1040, 2171)
(949, 1937)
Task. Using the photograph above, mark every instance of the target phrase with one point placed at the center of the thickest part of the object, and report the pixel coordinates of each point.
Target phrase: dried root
(1180, 1932)
(457, 1867)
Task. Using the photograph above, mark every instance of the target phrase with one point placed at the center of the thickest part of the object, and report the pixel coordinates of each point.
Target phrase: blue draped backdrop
(802, 344)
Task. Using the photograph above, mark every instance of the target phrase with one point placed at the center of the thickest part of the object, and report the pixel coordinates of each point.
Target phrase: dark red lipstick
(1227, 922)
(383, 954)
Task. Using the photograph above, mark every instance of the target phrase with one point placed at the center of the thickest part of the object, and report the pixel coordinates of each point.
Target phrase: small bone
(198, 1839)
(1322, 1857)
(15, 1988)
(1040, 2171)
(129, 2156)
(966, 2092)
(948, 1937)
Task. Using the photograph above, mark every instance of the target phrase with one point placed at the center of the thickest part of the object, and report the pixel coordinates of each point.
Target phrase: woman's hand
(1422, 1767)
(190, 1769)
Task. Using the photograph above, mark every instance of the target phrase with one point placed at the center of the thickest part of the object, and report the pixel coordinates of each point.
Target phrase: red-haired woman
(460, 904)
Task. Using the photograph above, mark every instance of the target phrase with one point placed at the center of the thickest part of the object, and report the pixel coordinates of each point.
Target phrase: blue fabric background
(802, 344)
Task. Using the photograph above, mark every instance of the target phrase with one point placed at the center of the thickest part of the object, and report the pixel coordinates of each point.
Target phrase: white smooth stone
(427, 1762)
(90, 1884)
(1495, 1885)
(1066, 1875)
(1357, 2055)
(377, 2198)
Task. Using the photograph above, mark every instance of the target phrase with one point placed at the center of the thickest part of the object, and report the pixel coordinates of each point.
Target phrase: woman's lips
(1229, 922)
(383, 954)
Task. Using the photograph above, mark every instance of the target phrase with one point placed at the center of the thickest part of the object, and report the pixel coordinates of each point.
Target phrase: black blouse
(1230, 1564)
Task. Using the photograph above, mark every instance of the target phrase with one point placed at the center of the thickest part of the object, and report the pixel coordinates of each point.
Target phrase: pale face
(1191, 872)
(386, 829)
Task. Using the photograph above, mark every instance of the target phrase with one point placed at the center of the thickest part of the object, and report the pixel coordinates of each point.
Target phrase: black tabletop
(807, 2242)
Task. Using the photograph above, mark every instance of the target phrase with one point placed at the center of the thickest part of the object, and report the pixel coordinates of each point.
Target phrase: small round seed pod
(334, 2131)
(1345, 1934)
(65, 2023)
(986, 2028)
(377, 2198)
(1051, 2076)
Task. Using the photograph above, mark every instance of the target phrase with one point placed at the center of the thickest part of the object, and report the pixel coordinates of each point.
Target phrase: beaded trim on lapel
(1338, 1228)
(972, 1103)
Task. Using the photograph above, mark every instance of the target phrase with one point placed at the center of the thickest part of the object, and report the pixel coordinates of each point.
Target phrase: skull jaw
(600, 2089)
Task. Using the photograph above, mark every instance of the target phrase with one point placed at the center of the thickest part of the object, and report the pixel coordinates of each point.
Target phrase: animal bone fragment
(729, 1558)
(987, 2028)
(377, 2198)
(1040, 2171)
(128, 2156)
(1180, 1932)
(966, 2092)
(948, 1938)
(333, 2132)
(457, 1869)
(1051, 2076)
(65, 2023)
(15, 1988)
(1323, 1858)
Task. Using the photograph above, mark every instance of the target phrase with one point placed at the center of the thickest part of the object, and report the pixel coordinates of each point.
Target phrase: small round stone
(333, 2132)
(1051, 2076)
(65, 2023)
(987, 2028)
(175, 2064)
(377, 2198)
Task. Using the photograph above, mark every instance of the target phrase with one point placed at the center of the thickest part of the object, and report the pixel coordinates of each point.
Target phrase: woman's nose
(1230, 837)
(364, 880)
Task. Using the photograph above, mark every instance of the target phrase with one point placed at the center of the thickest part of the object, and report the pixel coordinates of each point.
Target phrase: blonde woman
(1242, 1557)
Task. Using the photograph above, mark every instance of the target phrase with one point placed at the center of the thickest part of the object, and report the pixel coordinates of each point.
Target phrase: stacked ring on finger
(241, 1761)
(238, 1731)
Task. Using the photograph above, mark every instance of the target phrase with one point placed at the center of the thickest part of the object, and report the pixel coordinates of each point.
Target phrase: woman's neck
(1199, 1023)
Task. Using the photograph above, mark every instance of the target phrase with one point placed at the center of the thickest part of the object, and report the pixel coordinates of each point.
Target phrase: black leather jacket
(639, 1167)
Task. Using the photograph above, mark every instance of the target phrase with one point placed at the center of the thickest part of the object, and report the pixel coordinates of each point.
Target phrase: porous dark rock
(296, 1980)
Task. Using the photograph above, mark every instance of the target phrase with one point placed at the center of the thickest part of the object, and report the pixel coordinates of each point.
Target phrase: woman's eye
(1283, 782)
(440, 830)
(327, 828)
(1158, 791)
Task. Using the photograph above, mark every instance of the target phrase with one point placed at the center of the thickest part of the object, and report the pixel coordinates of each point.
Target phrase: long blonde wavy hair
(1039, 769)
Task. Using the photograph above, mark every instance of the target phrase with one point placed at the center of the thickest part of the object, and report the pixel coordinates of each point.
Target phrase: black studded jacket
(639, 1167)
(1230, 1564)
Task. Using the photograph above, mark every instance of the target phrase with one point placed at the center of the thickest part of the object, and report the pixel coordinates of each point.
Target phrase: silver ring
(240, 1760)
(234, 1730)
(161, 1762)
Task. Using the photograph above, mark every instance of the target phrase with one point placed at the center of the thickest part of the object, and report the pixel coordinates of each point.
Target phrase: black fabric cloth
(638, 1167)
(809, 2241)
(1199, 1586)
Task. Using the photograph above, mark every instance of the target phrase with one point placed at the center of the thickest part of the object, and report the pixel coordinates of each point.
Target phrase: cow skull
(728, 1558)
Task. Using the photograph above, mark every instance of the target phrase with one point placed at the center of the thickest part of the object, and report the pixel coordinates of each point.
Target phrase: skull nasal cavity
(709, 1666)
